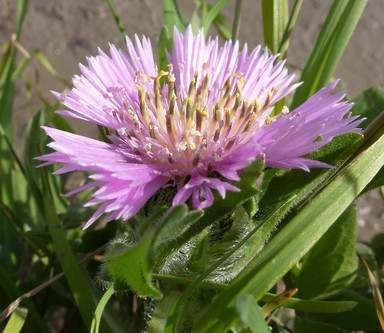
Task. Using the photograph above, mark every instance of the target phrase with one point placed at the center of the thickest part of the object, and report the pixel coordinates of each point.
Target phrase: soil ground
(66, 31)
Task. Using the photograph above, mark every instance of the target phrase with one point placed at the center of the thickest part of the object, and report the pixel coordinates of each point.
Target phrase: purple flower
(208, 119)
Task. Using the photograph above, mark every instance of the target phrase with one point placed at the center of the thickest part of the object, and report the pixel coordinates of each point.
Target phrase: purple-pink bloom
(208, 120)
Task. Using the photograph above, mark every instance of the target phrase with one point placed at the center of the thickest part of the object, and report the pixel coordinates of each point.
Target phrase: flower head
(193, 127)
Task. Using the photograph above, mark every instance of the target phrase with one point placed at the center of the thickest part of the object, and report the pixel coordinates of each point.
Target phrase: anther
(143, 105)
(227, 91)
(189, 113)
(244, 109)
(152, 131)
(168, 120)
(204, 113)
(198, 120)
(216, 112)
(217, 135)
(267, 101)
(172, 104)
(205, 86)
(237, 102)
(196, 160)
(230, 144)
(170, 159)
(171, 86)
(227, 117)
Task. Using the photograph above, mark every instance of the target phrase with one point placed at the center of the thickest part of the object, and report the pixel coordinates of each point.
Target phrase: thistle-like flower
(193, 127)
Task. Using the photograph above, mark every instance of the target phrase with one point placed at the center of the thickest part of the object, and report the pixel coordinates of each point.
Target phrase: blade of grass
(275, 18)
(17, 320)
(329, 47)
(172, 17)
(99, 310)
(78, 283)
(236, 21)
(212, 14)
(250, 314)
(283, 46)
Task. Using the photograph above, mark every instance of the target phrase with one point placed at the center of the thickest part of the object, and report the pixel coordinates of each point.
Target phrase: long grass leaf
(250, 314)
(212, 14)
(329, 47)
(236, 21)
(283, 46)
(77, 281)
(99, 310)
(17, 320)
(275, 18)
(172, 17)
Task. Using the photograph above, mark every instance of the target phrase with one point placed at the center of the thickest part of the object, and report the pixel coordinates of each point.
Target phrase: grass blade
(250, 314)
(275, 18)
(17, 320)
(172, 16)
(99, 310)
(80, 288)
(287, 33)
(329, 47)
(236, 21)
(212, 14)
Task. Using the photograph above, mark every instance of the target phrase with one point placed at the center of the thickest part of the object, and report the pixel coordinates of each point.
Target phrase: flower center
(187, 131)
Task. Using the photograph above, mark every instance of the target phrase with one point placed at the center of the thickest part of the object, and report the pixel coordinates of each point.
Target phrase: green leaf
(331, 265)
(132, 264)
(303, 325)
(134, 267)
(236, 21)
(283, 46)
(165, 43)
(172, 17)
(291, 243)
(369, 104)
(160, 315)
(275, 18)
(214, 11)
(361, 318)
(17, 320)
(79, 284)
(377, 244)
(329, 47)
(220, 208)
(314, 306)
(250, 314)
(177, 313)
(99, 310)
